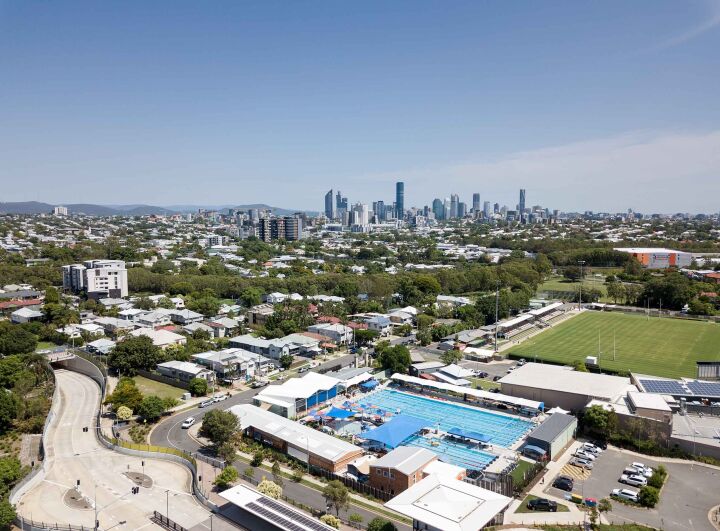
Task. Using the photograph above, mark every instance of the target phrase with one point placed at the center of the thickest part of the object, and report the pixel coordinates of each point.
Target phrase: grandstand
(524, 324)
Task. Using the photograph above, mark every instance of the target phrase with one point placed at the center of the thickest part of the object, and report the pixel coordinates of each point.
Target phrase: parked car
(634, 481)
(642, 469)
(625, 494)
(304, 368)
(221, 397)
(600, 444)
(496, 378)
(258, 383)
(521, 362)
(481, 374)
(565, 483)
(582, 463)
(542, 504)
(590, 447)
(584, 455)
(206, 403)
(187, 423)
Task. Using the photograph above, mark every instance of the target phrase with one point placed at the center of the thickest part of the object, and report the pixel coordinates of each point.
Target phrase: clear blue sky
(589, 105)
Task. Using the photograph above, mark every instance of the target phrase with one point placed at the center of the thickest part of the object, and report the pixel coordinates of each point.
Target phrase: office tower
(438, 209)
(462, 209)
(399, 199)
(476, 203)
(521, 204)
(330, 211)
(97, 278)
(379, 210)
(487, 209)
(286, 228)
(360, 215)
(496, 208)
(454, 200)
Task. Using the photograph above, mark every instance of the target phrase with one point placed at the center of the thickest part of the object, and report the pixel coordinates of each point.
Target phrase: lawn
(151, 387)
(519, 471)
(559, 286)
(523, 506)
(485, 385)
(658, 346)
(45, 345)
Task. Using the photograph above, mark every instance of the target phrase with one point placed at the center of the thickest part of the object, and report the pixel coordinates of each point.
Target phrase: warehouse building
(658, 258)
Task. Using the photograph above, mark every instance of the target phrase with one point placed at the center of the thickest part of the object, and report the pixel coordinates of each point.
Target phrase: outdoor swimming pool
(502, 430)
(455, 453)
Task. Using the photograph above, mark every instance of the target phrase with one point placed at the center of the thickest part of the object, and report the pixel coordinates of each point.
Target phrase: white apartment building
(98, 278)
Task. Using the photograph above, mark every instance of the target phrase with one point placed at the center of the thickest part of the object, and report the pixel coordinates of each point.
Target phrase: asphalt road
(690, 492)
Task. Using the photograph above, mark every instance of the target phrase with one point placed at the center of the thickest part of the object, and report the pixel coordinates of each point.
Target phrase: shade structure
(370, 384)
(467, 434)
(337, 413)
(395, 432)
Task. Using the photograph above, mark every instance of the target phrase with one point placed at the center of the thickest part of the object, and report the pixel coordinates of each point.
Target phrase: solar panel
(667, 387)
(273, 517)
(704, 388)
(291, 513)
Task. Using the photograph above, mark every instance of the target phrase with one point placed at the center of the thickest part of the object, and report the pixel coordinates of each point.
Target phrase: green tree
(424, 336)
(649, 496)
(363, 337)
(572, 273)
(151, 408)
(336, 495)
(277, 473)
(395, 358)
(219, 426)
(198, 386)
(451, 356)
(125, 394)
(615, 290)
(257, 458)
(424, 321)
(380, 524)
(16, 340)
(226, 478)
(134, 353)
(7, 514)
(604, 505)
(10, 473)
(356, 520)
(286, 361)
(227, 451)
(599, 422)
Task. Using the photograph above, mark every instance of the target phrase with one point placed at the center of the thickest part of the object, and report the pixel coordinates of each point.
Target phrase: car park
(206, 403)
(625, 494)
(187, 423)
(634, 480)
(582, 463)
(542, 504)
(565, 483)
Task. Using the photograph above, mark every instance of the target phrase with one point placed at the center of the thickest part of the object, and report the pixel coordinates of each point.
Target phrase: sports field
(658, 346)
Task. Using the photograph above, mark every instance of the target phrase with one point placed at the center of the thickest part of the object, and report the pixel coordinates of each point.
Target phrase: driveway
(73, 456)
(690, 492)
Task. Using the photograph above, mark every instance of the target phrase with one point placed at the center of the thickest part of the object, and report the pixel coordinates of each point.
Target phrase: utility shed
(553, 434)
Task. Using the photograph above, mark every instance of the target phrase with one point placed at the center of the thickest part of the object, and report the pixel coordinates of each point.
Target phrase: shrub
(380, 524)
(124, 413)
(330, 520)
(257, 458)
(249, 472)
(198, 386)
(268, 488)
(649, 496)
(226, 478)
(297, 475)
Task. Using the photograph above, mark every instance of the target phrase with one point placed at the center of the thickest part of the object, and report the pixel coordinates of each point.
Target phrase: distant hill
(36, 207)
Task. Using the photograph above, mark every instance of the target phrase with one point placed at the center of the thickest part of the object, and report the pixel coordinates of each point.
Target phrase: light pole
(497, 311)
(167, 505)
(582, 279)
(211, 517)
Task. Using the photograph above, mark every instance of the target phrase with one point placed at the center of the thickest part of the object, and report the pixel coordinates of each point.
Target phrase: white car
(642, 469)
(625, 494)
(220, 398)
(635, 480)
(206, 403)
(582, 463)
(584, 455)
(187, 423)
(589, 447)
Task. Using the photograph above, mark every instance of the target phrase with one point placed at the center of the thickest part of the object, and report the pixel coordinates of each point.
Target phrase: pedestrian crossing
(575, 472)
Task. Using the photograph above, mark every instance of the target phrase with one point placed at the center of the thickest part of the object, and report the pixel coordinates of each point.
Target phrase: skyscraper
(521, 204)
(476, 203)
(399, 199)
(439, 209)
(454, 200)
(330, 205)
(462, 209)
(487, 210)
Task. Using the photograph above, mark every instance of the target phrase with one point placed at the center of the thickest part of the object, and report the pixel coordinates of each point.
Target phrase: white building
(60, 211)
(98, 278)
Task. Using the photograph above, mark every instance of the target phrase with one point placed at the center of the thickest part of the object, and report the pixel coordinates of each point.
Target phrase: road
(73, 456)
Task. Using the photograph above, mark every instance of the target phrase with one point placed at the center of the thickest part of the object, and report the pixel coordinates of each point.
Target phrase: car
(258, 383)
(600, 444)
(303, 369)
(496, 378)
(582, 463)
(584, 455)
(521, 362)
(206, 403)
(481, 374)
(220, 398)
(642, 469)
(542, 504)
(187, 423)
(494, 390)
(625, 494)
(565, 483)
(634, 480)
(590, 447)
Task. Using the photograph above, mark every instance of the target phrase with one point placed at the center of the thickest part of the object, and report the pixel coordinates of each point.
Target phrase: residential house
(258, 315)
(337, 333)
(160, 338)
(25, 315)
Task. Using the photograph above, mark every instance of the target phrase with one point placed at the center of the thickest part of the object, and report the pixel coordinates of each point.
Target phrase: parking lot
(689, 493)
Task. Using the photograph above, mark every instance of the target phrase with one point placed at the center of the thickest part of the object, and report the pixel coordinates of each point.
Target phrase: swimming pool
(503, 430)
(454, 453)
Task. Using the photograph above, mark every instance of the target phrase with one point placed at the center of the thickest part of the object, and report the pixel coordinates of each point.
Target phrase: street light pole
(167, 505)
(582, 279)
(497, 311)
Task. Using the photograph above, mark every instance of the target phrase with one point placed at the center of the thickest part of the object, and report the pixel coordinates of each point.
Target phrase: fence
(165, 522)
(352, 484)
(163, 379)
(31, 525)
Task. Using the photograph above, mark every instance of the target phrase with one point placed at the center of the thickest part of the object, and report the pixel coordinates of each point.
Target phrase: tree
(424, 321)
(251, 297)
(599, 422)
(649, 496)
(356, 520)
(286, 361)
(134, 353)
(227, 451)
(151, 408)
(16, 340)
(277, 473)
(380, 524)
(125, 394)
(219, 426)
(198, 386)
(572, 273)
(604, 506)
(363, 337)
(615, 290)
(257, 458)
(451, 356)
(424, 336)
(332, 521)
(268, 488)
(336, 495)
(123, 413)
(10, 473)
(7, 514)
(395, 358)
(226, 478)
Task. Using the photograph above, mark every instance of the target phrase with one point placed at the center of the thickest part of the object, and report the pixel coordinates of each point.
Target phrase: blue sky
(588, 105)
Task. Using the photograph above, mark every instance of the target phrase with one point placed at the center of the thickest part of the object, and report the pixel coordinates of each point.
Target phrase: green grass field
(151, 387)
(662, 347)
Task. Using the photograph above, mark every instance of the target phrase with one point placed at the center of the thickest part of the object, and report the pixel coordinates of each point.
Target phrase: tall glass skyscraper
(521, 204)
(399, 200)
(330, 205)
(476, 203)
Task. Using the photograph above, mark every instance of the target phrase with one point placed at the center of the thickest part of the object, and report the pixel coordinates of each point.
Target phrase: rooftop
(406, 459)
(553, 426)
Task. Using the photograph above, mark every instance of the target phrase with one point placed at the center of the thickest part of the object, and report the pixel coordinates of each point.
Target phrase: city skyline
(209, 104)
